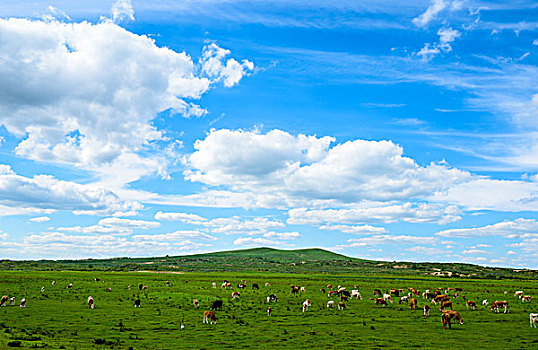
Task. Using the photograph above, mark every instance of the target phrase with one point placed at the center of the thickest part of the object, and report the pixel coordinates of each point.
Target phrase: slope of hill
(273, 260)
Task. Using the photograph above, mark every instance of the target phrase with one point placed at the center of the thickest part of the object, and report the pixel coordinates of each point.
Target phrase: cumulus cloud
(250, 241)
(386, 239)
(436, 6)
(236, 225)
(282, 235)
(388, 213)
(306, 167)
(184, 217)
(218, 68)
(85, 94)
(40, 219)
(175, 236)
(359, 229)
(511, 229)
(446, 36)
(47, 192)
(475, 251)
(122, 10)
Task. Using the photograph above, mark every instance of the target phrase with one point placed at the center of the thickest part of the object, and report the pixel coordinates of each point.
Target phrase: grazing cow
(241, 286)
(459, 289)
(294, 290)
(302, 290)
(53, 282)
(377, 292)
(69, 286)
(404, 299)
(329, 286)
(497, 304)
(341, 306)
(445, 305)
(23, 302)
(533, 318)
(387, 297)
(343, 298)
(4, 300)
(269, 309)
(428, 295)
(356, 293)
(381, 301)
(255, 286)
(306, 304)
(525, 298)
(109, 289)
(426, 310)
(214, 285)
(217, 305)
(196, 303)
(448, 315)
(42, 289)
(413, 303)
(267, 284)
(12, 301)
(439, 298)
(330, 303)
(137, 303)
(345, 293)
(167, 283)
(485, 302)
(209, 317)
(97, 279)
(128, 287)
(144, 288)
(518, 294)
(471, 305)
(332, 292)
(90, 302)
(395, 292)
(224, 285)
(235, 295)
(272, 297)
(323, 290)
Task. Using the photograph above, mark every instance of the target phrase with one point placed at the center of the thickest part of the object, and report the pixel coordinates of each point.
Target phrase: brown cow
(269, 309)
(341, 306)
(235, 295)
(439, 298)
(4, 300)
(471, 305)
(497, 304)
(209, 317)
(447, 315)
(413, 303)
(445, 305)
(381, 301)
(294, 290)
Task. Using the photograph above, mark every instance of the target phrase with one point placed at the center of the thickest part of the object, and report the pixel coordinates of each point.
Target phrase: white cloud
(535, 42)
(184, 217)
(428, 250)
(511, 229)
(386, 239)
(359, 229)
(46, 192)
(446, 36)
(175, 236)
(475, 251)
(376, 212)
(85, 94)
(3, 235)
(250, 241)
(431, 12)
(236, 225)
(128, 223)
(97, 229)
(282, 235)
(40, 219)
(304, 167)
(217, 68)
(122, 10)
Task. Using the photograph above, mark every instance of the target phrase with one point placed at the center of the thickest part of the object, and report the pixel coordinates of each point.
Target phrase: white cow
(356, 293)
(23, 302)
(485, 302)
(387, 297)
(214, 285)
(533, 318)
(330, 303)
(306, 304)
(518, 294)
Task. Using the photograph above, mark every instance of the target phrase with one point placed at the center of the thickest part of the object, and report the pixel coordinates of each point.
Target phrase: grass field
(60, 317)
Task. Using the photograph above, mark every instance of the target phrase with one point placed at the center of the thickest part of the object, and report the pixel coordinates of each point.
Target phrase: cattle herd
(430, 298)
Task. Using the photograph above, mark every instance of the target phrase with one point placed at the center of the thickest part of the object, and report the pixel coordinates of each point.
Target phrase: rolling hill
(273, 260)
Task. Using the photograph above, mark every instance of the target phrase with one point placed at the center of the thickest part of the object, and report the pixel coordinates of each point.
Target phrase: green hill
(273, 260)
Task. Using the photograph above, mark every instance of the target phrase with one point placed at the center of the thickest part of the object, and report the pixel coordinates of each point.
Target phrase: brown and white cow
(533, 319)
(306, 304)
(269, 310)
(294, 290)
(209, 317)
(426, 310)
(518, 294)
(381, 301)
(498, 304)
(439, 298)
(235, 295)
(525, 298)
(90, 302)
(471, 305)
(356, 293)
(4, 300)
(302, 290)
(404, 299)
(446, 305)
(330, 304)
(196, 303)
(12, 301)
(341, 306)
(413, 303)
(448, 315)
(214, 285)
(167, 283)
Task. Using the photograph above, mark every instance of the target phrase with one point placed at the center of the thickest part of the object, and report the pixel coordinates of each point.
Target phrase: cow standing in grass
(426, 310)
(4, 300)
(137, 303)
(306, 304)
(209, 317)
(413, 303)
(90, 302)
(23, 302)
(498, 304)
(533, 318)
(448, 315)
(471, 305)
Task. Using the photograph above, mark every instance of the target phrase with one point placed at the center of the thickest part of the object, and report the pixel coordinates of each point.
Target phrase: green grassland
(60, 318)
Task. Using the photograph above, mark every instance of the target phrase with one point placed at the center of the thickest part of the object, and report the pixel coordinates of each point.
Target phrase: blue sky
(390, 130)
